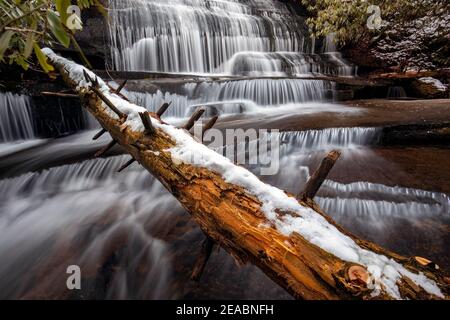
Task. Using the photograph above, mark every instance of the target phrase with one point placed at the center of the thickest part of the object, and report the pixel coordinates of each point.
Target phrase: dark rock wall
(420, 44)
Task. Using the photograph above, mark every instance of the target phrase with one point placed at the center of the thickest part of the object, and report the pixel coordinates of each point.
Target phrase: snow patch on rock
(434, 82)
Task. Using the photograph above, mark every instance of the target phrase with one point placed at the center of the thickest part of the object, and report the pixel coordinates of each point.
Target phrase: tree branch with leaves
(25, 26)
(347, 19)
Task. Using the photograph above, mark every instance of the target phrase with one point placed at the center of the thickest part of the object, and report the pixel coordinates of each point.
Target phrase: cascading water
(213, 36)
(329, 138)
(231, 97)
(355, 201)
(16, 121)
(44, 212)
(110, 224)
(17, 128)
(197, 36)
(259, 39)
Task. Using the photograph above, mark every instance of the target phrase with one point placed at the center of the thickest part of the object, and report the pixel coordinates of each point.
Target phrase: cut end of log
(358, 275)
(426, 263)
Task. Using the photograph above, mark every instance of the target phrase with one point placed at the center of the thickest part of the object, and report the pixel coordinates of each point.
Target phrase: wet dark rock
(55, 117)
(419, 44)
(416, 134)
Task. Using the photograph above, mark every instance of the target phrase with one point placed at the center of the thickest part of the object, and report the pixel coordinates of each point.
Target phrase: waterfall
(301, 141)
(194, 35)
(371, 199)
(396, 92)
(16, 121)
(213, 36)
(231, 97)
(356, 201)
(288, 63)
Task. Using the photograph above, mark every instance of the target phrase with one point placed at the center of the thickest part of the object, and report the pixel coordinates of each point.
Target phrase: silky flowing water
(131, 238)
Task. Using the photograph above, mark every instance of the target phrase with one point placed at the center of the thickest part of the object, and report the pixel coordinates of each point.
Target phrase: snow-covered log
(292, 241)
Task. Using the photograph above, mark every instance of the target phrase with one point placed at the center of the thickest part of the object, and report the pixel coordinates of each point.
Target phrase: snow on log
(292, 241)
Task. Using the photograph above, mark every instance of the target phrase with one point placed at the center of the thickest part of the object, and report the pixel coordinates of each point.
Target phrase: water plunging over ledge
(16, 121)
(239, 96)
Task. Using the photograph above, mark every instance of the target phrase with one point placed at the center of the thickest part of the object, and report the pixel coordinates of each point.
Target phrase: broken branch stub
(109, 103)
(318, 177)
(60, 94)
(99, 134)
(103, 150)
(94, 87)
(202, 259)
(147, 122)
(195, 116)
(163, 108)
(211, 122)
(127, 164)
(121, 86)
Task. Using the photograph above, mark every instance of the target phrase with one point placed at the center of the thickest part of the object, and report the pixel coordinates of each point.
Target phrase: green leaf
(57, 28)
(4, 42)
(21, 61)
(42, 59)
(28, 45)
(61, 7)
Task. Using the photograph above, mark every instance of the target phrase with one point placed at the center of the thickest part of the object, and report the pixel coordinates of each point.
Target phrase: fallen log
(292, 241)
